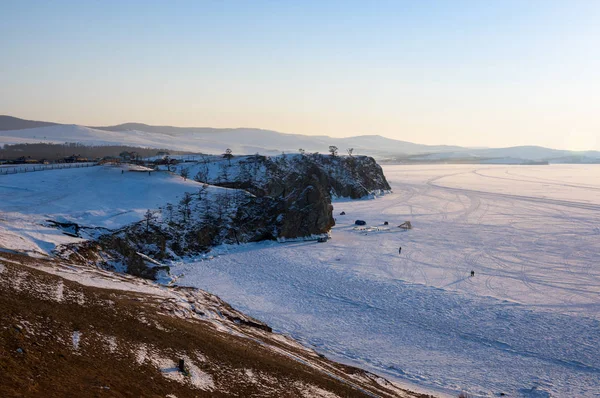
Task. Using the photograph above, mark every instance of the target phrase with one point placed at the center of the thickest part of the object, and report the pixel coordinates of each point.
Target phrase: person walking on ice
(472, 273)
(400, 250)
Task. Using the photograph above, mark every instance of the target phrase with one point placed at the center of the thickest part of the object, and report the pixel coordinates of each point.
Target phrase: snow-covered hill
(14, 123)
(101, 198)
(519, 154)
(212, 141)
(249, 141)
(67, 330)
(61, 133)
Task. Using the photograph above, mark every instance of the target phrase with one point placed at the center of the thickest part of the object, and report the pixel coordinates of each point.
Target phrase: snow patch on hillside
(76, 338)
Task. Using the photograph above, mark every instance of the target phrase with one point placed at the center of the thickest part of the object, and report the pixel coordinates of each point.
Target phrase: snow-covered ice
(528, 322)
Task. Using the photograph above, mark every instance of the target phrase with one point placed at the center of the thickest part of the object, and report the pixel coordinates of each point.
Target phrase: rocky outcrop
(342, 176)
(353, 177)
(279, 198)
(232, 217)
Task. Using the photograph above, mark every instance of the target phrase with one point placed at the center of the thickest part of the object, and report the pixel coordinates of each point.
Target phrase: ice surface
(528, 322)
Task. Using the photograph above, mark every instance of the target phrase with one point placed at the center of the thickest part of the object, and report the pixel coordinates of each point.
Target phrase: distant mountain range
(248, 140)
(14, 123)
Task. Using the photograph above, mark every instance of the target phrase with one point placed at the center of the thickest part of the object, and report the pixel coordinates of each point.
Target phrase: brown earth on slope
(72, 331)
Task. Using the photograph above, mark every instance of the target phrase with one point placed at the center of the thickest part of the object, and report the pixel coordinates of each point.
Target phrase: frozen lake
(527, 324)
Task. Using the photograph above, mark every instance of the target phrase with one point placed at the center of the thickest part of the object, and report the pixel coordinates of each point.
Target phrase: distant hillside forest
(57, 152)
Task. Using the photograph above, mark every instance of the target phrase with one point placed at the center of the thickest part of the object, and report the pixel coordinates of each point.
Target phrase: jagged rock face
(355, 176)
(298, 204)
(293, 206)
(304, 211)
(308, 209)
(343, 176)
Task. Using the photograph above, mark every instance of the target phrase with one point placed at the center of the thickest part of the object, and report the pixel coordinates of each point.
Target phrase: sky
(490, 73)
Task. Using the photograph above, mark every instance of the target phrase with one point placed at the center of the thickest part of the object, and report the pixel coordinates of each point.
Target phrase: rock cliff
(284, 197)
(341, 176)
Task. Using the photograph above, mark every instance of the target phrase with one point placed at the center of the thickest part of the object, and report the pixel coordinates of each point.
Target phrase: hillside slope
(14, 123)
(74, 331)
(246, 141)
(97, 199)
(205, 139)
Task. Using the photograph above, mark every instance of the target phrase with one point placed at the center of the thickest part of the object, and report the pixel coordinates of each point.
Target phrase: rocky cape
(285, 197)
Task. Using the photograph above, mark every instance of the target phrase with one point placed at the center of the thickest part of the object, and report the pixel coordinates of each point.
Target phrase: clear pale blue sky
(476, 73)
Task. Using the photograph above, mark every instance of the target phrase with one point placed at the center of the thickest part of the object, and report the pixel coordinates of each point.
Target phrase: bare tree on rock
(148, 217)
(169, 209)
(185, 173)
(185, 205)
(228, 155)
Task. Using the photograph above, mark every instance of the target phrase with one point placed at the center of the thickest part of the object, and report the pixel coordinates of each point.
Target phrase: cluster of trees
(198, 220)
(333, 150)
(197, 207)
(57, 152)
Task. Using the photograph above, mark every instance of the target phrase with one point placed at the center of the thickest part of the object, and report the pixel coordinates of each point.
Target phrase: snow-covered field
(527, 324)
(94, 197)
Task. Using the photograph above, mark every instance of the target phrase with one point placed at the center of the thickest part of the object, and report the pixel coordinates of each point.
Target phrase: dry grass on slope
(61, 338)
